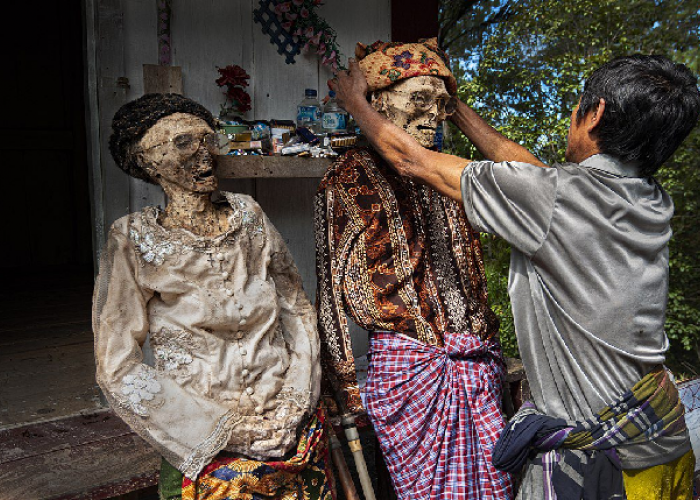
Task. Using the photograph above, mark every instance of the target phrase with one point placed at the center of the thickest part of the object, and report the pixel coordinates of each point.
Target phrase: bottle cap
(310, 92)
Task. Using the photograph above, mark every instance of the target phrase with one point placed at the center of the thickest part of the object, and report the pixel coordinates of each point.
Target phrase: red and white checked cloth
(437, 415)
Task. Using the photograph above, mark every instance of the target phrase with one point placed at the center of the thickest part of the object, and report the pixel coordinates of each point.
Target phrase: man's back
(588, 278)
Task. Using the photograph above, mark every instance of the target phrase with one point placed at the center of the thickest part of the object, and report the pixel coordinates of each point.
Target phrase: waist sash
(651, 409)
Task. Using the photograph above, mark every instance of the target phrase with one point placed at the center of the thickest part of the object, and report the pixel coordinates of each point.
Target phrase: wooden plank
(92, 128)
(278, 87)
(207, 35)
(360, 21)
(271, 166)
(111, 95)
(38, 439)
(289, 203)
(16, 341)
(47, 382)
(162, 79)
(134, 484)
(93, 456)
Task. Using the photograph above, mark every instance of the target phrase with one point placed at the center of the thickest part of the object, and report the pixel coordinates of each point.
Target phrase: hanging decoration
(300, 23)
(286, 45)
(164, 52)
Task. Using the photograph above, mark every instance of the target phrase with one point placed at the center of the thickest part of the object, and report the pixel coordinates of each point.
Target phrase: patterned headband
(385, 63)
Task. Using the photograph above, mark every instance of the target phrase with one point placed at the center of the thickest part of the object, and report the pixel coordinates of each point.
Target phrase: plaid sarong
(437, 415)
(307, 475)
(652, 408)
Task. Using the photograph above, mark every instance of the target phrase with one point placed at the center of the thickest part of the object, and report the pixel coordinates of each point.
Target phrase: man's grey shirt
(588, 280)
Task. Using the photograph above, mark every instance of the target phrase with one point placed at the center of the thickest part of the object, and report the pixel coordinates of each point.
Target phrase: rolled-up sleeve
(512, 200)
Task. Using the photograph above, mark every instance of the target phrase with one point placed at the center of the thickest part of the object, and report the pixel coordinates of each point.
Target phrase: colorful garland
(299, 18)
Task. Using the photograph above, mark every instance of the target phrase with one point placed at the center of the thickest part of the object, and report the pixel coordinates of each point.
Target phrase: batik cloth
(305, 476)
(437, 415)
(396, 256)
(579, 460)
(385, 63)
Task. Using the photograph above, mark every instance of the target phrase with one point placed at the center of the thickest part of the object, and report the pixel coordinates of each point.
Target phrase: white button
(225, 275)
(242, 321)
(259, 410)
(244, 352)
(239, 306)
(220, 256)
(229, 292)
(249, 390)
(245, 372)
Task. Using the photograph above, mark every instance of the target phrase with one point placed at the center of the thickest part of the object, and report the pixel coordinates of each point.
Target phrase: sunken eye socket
(444, 104)
(184, 141)
(421, 100)
(189, 143)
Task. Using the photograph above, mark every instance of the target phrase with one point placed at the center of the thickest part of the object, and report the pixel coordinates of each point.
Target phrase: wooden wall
(121, 37)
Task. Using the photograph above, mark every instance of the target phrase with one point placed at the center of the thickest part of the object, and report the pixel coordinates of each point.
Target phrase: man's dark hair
(134, 118)
(651, 105)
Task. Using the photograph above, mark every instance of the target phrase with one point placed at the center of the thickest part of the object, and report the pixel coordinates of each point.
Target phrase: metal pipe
(353, 437)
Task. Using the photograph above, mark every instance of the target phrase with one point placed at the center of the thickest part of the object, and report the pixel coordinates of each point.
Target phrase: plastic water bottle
(309, 111)
(439, 136)
(335, 118)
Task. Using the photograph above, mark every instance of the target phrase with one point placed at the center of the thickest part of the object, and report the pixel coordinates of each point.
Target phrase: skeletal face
(175, 149)
(417, 105)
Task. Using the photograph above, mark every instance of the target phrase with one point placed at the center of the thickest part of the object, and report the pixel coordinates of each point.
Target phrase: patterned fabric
(385, 63)
(436, 412)
(305, 476)
(651, 409)
(396, 256)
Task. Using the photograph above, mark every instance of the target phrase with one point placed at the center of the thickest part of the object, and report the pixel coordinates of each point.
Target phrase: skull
(417, 105)
(176, 150)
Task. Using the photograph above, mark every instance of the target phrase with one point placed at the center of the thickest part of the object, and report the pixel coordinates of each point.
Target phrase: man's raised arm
(490, 142)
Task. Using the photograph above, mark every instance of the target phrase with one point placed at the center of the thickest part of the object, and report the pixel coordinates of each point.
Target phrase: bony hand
(349, 85)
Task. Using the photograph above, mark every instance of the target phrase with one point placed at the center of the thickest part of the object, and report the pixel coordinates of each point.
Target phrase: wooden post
(162, 79)
(414, 19)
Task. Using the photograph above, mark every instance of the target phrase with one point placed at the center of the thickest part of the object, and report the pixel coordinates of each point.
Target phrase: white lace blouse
(232, 333)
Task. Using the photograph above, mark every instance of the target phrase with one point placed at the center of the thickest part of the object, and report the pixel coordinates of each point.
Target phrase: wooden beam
(414, 19)
(88, 456)
(162, 79)
(254, 167)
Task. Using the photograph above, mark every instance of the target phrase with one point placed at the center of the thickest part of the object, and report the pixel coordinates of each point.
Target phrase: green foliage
(524, 76)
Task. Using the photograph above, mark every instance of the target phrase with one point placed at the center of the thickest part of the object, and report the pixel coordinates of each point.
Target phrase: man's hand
(350, 86)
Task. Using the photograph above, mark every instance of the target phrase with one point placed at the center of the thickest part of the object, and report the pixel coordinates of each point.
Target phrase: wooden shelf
(256, 167)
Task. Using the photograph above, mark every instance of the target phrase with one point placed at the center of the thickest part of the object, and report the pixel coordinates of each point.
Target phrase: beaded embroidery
(139, 389)
(172, 349)
(151, 250)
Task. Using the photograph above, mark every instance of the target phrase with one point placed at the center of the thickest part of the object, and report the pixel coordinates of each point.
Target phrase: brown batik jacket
(395, 256)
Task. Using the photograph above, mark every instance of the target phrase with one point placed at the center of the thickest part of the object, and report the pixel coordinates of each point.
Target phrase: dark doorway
(46, 360)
